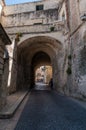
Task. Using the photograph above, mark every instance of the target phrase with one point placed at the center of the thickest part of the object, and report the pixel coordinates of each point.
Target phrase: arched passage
(39, 59)
(34, 52)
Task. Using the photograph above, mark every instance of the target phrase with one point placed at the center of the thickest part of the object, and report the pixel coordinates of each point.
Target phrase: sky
(10, 2)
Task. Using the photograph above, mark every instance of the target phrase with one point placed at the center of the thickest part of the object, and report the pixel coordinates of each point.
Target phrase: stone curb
(9, 113)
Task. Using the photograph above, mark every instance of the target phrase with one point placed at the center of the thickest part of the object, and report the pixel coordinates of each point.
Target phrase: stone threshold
(16, 100)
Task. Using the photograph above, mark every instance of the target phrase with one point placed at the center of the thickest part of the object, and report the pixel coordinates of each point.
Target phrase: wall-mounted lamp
(83, 17)
(6, 55)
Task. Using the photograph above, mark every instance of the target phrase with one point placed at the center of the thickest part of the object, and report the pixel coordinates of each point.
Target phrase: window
(39, 7)
(37, 23)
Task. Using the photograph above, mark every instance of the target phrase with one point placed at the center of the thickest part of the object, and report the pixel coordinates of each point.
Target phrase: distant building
(43, 74)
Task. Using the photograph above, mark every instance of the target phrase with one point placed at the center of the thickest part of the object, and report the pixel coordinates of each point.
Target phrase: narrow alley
(48, 110)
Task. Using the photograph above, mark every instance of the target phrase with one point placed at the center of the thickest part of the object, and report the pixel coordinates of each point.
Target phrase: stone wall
(11, 83)
(74, 15)
(30, 18)
(33, 29)
(26, 14)
(30, 6)
(77, 49)
(79, 61)
(4, 40)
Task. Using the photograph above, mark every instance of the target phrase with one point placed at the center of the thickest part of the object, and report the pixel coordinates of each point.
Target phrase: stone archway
(32, 53)
(39, 59)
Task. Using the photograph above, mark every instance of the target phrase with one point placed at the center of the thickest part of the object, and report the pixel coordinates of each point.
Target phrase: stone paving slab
(13, 102)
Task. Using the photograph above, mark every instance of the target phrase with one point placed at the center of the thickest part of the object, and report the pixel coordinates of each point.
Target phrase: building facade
(4, 40)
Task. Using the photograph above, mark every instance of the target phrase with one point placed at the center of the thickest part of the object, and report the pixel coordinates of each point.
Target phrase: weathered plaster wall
(30, 6)
(74, 17)
(48, 44)
(30, 18)
(79, 60)
(4, 40)
(77, 49)
(10, 71)
(26, 14)
(35, 29)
